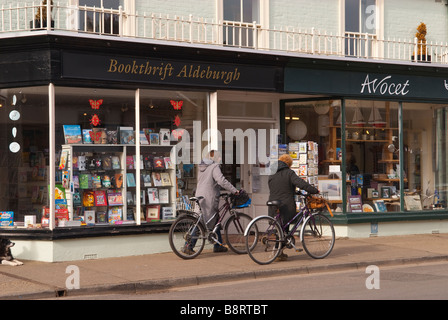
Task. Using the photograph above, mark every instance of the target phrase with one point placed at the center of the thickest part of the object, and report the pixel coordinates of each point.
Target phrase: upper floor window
(361, 16)
(361, 27)
(99, 16)
(239, 18)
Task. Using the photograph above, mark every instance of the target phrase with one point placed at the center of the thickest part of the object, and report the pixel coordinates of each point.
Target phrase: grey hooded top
(210, 181)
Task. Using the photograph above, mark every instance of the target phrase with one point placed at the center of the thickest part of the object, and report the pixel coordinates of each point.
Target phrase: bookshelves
(102, 184)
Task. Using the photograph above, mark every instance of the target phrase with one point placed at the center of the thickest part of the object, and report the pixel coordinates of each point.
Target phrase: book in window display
(72, 134)
(130, 179)
(153, 213)
(156, 179)
(88, 199)
(127, 135)
(87, 136)
(154, 139)
(153, 195)
(114, 197)
(112, 136)
(89, 217)
(116, 163)
(167, 213)
(164, 137)
(146, 180)
(159, 163)
(96, 181)
(166, 181)
(82, 163)
(168, 163)
(164, 196)
(130, 162)
(118, 180)
(100, 198)
(101, 216)
(115, 215)
(143, 138)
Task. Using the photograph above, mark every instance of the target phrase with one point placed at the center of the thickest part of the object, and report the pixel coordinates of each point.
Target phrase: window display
(24, 160)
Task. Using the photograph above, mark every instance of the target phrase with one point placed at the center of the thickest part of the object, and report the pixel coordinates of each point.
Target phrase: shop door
(247, 174)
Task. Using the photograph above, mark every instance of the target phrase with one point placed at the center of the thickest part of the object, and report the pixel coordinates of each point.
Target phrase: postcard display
(99, 184)
(305, 161)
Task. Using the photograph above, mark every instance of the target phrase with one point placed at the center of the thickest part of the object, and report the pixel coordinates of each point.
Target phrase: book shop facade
(78, 112)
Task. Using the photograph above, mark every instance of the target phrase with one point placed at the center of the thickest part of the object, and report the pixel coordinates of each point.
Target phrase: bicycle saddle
(196, 198)
(276, 203)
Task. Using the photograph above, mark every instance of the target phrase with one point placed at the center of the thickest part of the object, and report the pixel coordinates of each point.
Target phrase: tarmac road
(424, 281)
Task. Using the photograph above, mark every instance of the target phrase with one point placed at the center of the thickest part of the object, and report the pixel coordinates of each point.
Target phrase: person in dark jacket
(282, 187)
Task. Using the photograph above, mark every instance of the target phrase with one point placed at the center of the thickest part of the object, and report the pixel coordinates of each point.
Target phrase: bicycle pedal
(299, 250)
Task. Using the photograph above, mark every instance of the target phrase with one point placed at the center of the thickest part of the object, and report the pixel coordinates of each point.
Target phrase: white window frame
(263, 24)
(128, 27)
(377, 46)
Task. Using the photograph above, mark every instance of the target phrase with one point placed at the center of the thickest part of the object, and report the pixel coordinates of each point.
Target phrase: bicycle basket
(241, 200)
(315, 202)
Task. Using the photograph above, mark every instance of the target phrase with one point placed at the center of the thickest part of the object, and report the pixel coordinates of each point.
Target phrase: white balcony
(23, 17)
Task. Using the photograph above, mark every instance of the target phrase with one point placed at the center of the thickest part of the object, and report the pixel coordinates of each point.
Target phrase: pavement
(162, 271)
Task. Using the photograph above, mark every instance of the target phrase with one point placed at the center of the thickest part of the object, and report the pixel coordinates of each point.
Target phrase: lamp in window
(296, 130)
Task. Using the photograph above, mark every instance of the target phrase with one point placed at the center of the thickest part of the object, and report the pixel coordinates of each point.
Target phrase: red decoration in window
(177, 105)
(177, 121)
(177, 133)
(95, 104)
(95, 120)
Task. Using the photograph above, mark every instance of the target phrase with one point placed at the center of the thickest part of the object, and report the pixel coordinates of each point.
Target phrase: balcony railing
(30, 16)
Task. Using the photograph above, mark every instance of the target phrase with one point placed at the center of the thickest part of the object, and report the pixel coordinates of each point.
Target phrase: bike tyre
(179, 236)
(264, 240)
(236, 240)
(318, 236)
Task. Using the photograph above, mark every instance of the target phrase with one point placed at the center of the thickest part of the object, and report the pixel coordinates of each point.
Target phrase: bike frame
(221, 213)
(304, 212)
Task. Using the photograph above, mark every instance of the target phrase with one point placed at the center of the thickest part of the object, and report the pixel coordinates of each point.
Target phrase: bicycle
(189, 232)
(266, 236)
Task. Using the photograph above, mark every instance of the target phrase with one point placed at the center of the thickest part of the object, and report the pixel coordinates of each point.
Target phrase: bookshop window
(24, 143)
(425, 156)
(93, 130)
(372, 156)
(167, 118)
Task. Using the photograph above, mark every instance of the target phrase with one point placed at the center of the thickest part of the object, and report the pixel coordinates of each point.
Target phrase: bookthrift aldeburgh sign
(167, 71)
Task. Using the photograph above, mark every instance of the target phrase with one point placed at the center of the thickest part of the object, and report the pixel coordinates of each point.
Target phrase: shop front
(382, 143)
(100, 145)
(101, 139)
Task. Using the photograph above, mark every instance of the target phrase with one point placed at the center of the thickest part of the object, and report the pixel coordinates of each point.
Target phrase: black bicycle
(266, 236)
(189, 232)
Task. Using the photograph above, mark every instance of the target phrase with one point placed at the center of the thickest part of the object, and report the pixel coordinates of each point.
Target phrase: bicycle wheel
(318, 236)
(234, 232)
(187, 237)
(264, 238)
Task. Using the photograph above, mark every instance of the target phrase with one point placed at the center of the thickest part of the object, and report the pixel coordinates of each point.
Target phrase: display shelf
(103, 183)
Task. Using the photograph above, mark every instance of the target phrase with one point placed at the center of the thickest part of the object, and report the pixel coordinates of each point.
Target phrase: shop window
(181, 118)
(424, 155)
(372, 156)
(100, 180)
(312, 137)
(24, 158)
(93, 130)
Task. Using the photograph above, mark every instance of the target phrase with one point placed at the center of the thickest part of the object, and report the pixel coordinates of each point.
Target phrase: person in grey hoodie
(210, 182)
(282, 187)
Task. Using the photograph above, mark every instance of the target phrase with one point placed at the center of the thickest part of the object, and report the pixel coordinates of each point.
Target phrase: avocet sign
(385, 86)
(400, 86)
